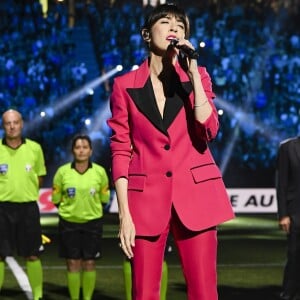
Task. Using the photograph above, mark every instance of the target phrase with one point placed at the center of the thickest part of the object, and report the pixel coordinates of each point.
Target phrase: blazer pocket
(205, 172)
(136, 182)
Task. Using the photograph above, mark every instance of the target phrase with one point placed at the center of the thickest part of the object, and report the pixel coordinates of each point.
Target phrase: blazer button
(167, 147)
(169, 174)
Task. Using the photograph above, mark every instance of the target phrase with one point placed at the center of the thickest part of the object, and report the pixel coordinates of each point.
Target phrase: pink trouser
(198, 254)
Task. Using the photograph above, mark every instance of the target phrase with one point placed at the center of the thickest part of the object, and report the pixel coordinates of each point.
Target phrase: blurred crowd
(252, 51)
(250, 48)
(38, 67)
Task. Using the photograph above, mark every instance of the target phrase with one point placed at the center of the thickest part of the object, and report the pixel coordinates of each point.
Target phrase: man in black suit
(288, 200)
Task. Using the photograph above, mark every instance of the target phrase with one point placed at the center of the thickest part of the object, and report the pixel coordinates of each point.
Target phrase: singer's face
(164, 30)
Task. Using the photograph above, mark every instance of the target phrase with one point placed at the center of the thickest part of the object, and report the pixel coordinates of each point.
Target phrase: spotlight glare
(71, 98)
(202, 44)
(87, 122)
(134, 67)
(119, 68)
(220, 112)
(90, 91)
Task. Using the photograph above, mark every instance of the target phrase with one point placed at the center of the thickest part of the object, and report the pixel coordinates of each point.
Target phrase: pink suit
(167, 161)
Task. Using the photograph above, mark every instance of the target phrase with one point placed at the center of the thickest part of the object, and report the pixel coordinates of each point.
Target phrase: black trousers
(291, 282)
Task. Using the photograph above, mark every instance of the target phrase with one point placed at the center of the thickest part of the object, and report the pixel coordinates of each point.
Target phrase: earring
(146, 35)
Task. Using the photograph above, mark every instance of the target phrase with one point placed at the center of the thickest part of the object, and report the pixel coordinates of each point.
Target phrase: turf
(250, 263)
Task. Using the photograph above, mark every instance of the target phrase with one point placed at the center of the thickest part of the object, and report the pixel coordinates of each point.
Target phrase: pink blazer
(167, 162)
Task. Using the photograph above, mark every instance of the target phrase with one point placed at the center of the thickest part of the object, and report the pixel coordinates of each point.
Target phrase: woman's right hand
(127, 235)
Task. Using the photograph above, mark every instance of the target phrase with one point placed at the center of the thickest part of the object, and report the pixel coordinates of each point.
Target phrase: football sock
(88, 284)
(2, 271)
(164, 282)
(127, 279)
(35, 277)
(74, 284)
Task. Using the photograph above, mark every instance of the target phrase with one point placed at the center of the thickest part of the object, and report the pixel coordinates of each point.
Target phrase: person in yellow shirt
(22, 167)
(80, 189)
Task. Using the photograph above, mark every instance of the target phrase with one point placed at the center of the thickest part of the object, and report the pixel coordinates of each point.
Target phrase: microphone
(184, 49)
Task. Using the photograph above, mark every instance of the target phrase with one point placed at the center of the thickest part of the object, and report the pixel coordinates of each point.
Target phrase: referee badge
(28, 167)
(3, 169)
(71, 192)
(92, 191)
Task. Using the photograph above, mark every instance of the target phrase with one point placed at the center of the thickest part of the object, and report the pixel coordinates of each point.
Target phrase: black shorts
(20, 229)
(80, 240)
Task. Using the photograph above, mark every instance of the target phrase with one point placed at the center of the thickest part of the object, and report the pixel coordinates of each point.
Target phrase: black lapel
(144, 99)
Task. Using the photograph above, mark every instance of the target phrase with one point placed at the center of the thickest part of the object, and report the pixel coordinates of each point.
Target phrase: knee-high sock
(2, 272)
(127, 279)
(88, 284)
(74, 284)
(164, 282)
(35, 277)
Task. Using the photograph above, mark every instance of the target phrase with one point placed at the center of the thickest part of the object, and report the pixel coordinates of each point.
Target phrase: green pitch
(250, 263)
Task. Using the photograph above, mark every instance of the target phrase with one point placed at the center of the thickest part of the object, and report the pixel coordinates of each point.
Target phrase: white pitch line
(177, 266)
(20, 276)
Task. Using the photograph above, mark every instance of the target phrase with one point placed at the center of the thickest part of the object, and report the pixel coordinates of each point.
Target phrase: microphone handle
(185, 50)
(189, 52)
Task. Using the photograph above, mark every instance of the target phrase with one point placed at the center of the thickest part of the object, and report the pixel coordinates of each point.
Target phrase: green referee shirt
(80, 195)
(19, 171)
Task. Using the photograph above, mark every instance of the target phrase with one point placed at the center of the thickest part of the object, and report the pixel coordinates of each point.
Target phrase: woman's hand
(127, 235)
(189, 64)
(127, 228)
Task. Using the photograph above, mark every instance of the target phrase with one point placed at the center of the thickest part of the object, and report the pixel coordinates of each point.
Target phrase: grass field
(250, 263)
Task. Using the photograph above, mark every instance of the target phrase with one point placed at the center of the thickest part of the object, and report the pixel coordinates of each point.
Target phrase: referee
(80, 188)
(22, 166)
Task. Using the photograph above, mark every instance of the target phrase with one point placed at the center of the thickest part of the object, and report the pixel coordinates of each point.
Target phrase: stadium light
(71, 98)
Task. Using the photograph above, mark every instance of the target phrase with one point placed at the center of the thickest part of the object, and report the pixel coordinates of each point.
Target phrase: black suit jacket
(288, 178)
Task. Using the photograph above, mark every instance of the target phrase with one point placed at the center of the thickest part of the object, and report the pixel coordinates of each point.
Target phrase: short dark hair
(163, 10)
(81, 137)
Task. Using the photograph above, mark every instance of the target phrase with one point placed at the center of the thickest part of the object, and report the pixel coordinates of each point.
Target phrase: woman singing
(165, 177)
